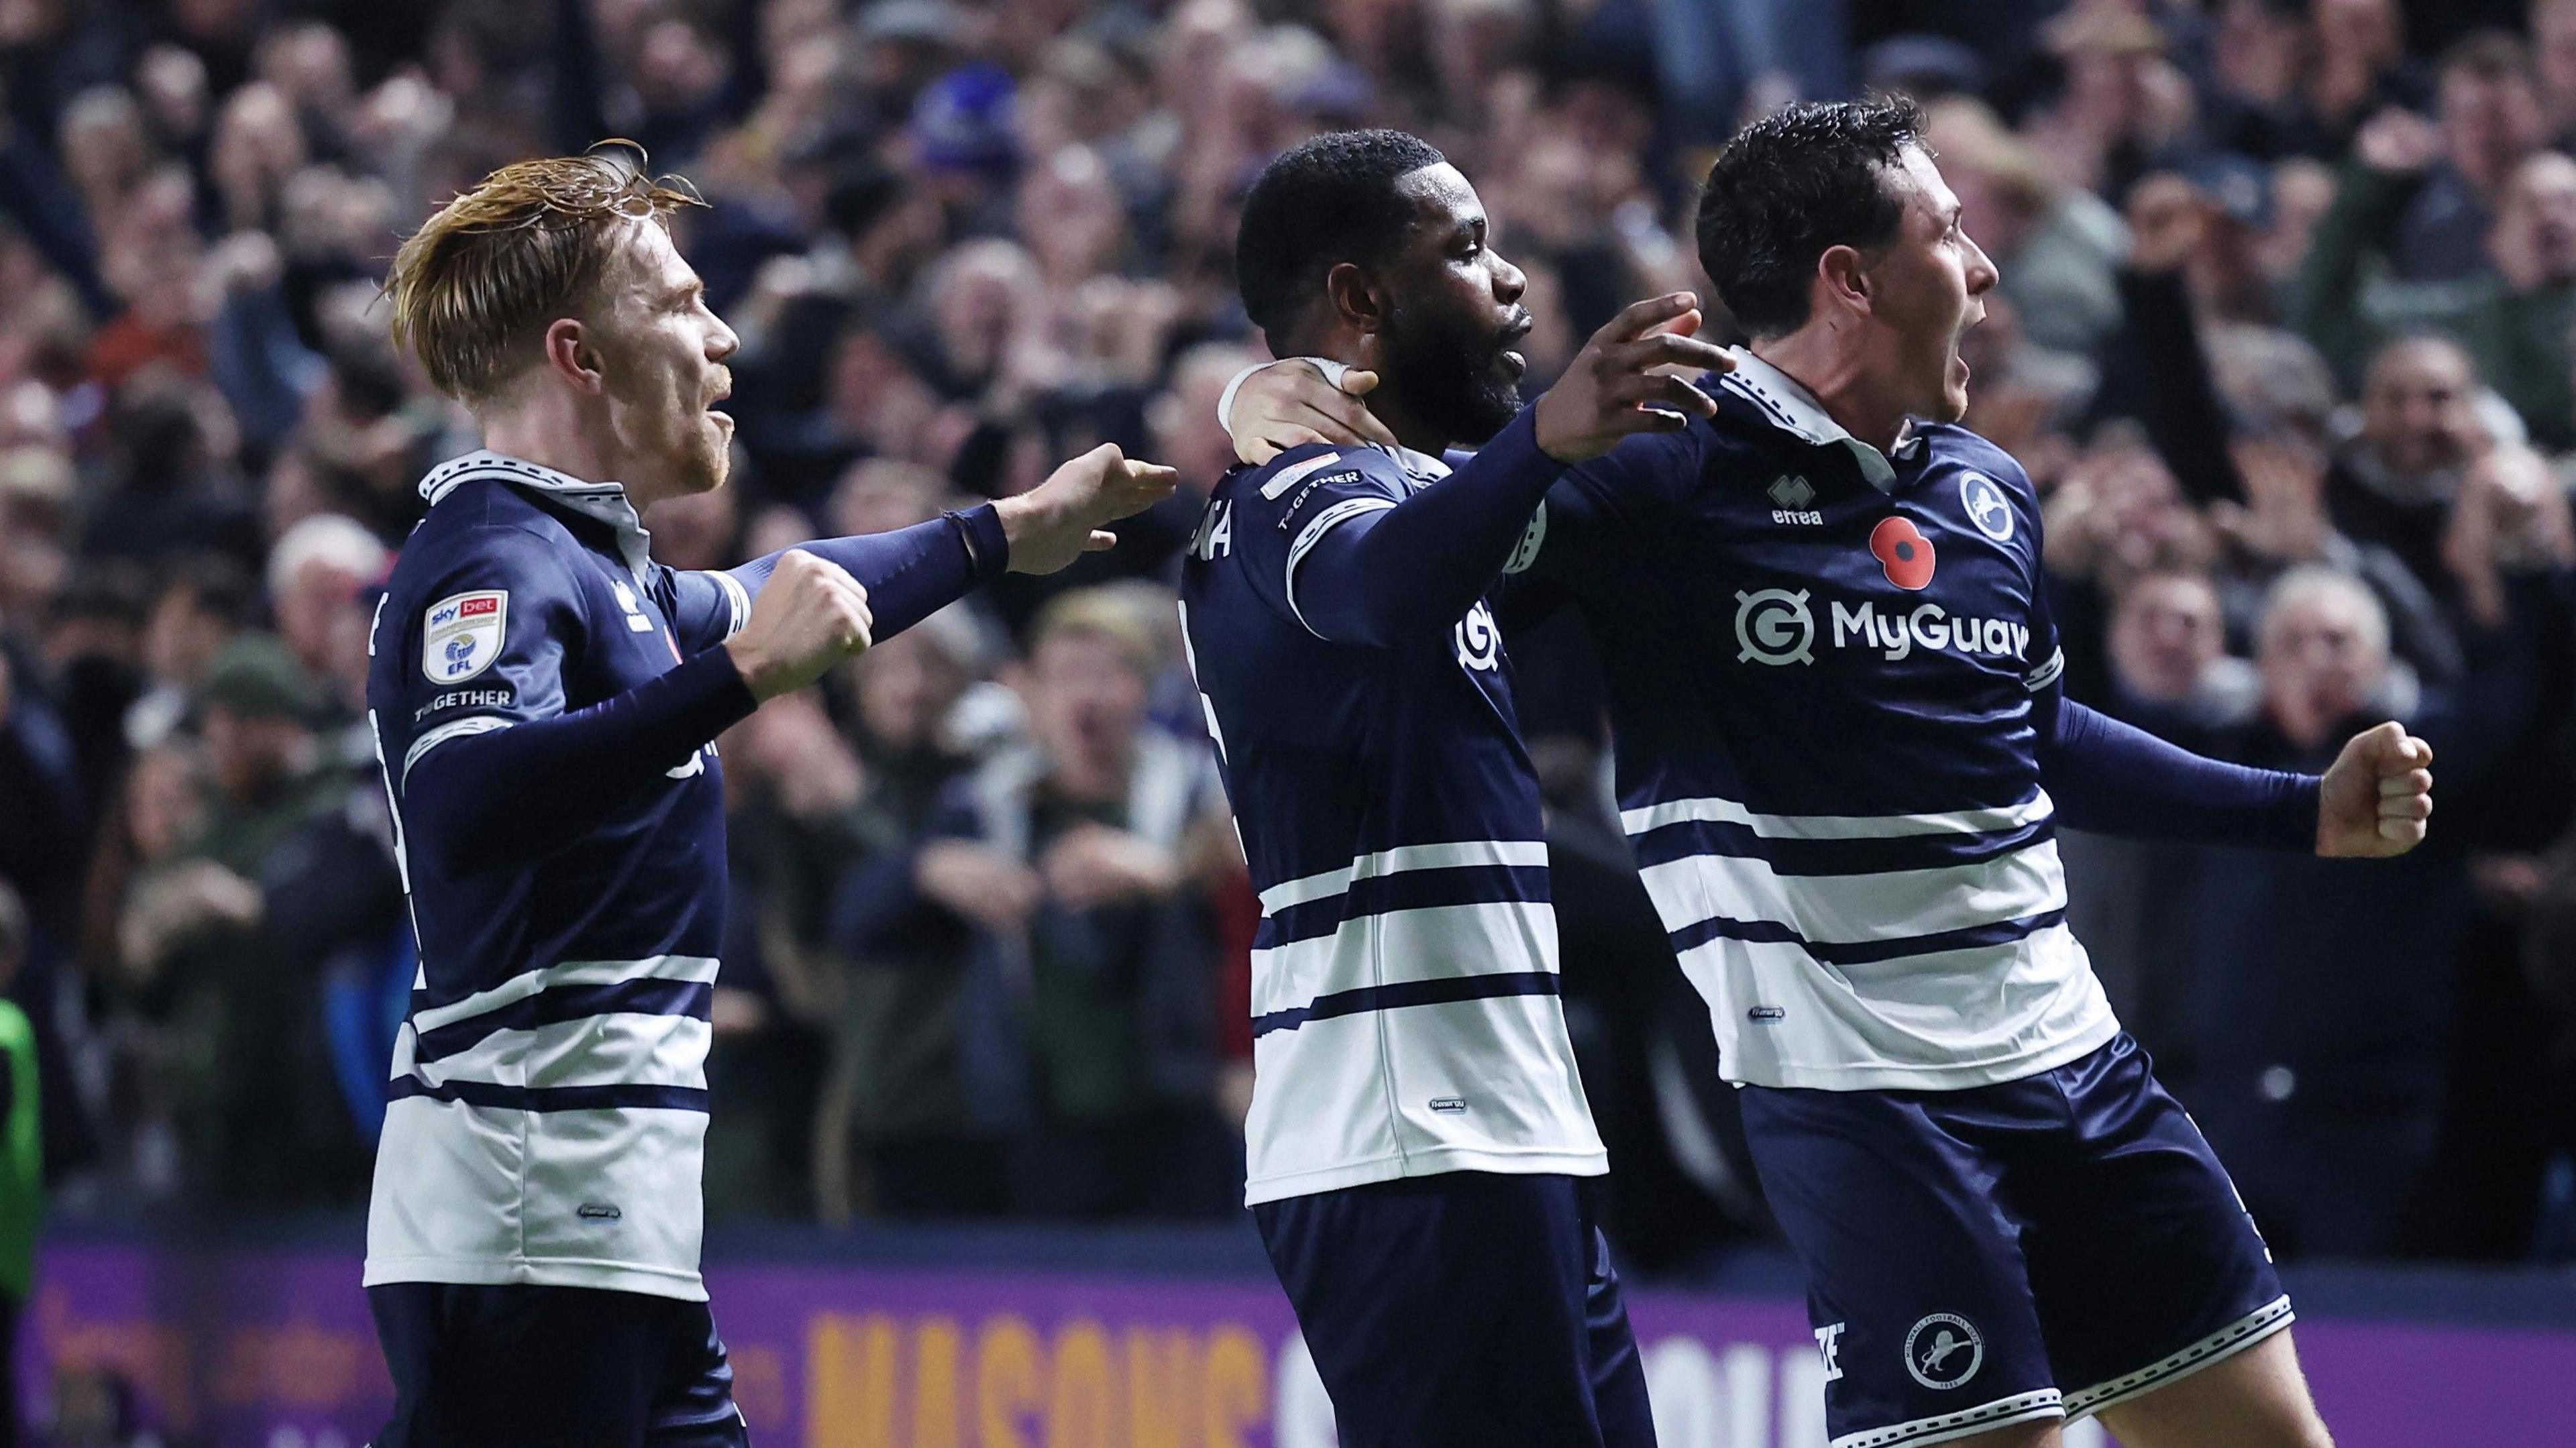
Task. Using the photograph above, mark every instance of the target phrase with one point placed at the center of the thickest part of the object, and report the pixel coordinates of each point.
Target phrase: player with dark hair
(1843, 753)
(1417, 1126)
(545, 699)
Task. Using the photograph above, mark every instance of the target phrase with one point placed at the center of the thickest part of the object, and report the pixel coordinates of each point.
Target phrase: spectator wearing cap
(226, 938)
(960, 133)
(255, 716)
(2190, 271)
(1930, 68)
(905, 45)
(2125, 109)
(2238, 409)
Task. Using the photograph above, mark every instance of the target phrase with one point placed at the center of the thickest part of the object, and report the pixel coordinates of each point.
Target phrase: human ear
(1354, 297)
(1843, 274)
(571, 356)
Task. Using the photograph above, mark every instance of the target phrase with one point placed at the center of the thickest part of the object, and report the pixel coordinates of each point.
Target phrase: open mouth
(1514, 360)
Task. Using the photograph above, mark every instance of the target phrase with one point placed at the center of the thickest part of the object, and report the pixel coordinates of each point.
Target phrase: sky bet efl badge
(461, 635)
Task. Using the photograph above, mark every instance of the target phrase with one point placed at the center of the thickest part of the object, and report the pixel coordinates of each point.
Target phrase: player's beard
(701, 456)
(712, 458)
(1453, 378)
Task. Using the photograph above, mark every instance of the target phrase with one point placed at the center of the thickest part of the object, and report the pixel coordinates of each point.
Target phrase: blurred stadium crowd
(2283, 335)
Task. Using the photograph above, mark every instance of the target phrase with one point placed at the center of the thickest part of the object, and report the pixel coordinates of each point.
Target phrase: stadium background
(2283, 337)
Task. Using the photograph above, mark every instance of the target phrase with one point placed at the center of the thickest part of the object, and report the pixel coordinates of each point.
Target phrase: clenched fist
(809, 616)
(2378, 794)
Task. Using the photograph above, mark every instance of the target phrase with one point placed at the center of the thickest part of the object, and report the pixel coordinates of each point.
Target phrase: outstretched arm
(1401, 570)
(1390, 568)
(2116, 779)
(909, 574)
(912, 573)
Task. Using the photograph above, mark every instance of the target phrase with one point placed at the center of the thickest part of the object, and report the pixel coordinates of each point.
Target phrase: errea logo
(1794, 497)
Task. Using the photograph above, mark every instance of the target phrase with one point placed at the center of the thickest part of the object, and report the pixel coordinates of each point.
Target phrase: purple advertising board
(274, 1349)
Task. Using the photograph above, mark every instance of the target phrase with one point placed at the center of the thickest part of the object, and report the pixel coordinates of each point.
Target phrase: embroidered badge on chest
(461, 635)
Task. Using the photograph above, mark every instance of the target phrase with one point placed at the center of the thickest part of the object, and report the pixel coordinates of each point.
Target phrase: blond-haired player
(545, 698)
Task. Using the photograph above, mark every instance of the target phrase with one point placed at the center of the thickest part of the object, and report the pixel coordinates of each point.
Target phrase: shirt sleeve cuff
(714, 696)
(2294, 824)
(989, 547)
(1519, 439)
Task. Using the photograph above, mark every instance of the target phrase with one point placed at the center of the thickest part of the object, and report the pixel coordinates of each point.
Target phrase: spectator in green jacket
(22, 1156)
(2513, 317)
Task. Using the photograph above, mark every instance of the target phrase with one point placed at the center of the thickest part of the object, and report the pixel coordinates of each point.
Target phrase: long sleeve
(502, 770)
(2115, 779)
(909, 574)
(1371, 564)
(2156, 369)
(511, 795)
(263, 369)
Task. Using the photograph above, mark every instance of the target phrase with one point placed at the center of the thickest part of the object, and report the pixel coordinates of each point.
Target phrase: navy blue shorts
(1469, 1309)
(552, 1367)
(1981, 1257)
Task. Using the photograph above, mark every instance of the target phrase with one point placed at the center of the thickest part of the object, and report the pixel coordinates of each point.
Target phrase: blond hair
(526, 245)
(1123, 617)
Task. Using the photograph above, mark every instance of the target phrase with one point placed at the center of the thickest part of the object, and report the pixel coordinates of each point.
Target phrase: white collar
(1421, 466)
(1796, 411)
(602, 502)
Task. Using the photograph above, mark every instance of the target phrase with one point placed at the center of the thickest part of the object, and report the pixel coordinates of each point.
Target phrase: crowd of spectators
(2283, 337)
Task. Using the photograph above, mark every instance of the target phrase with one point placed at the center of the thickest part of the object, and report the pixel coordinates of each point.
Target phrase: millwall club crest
(1944, 1351)
(461, 635)
(1983, 497)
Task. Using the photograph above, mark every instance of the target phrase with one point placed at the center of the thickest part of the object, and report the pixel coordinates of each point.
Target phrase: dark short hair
(1321, 202)
(1791, 185)
(2489, 55)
